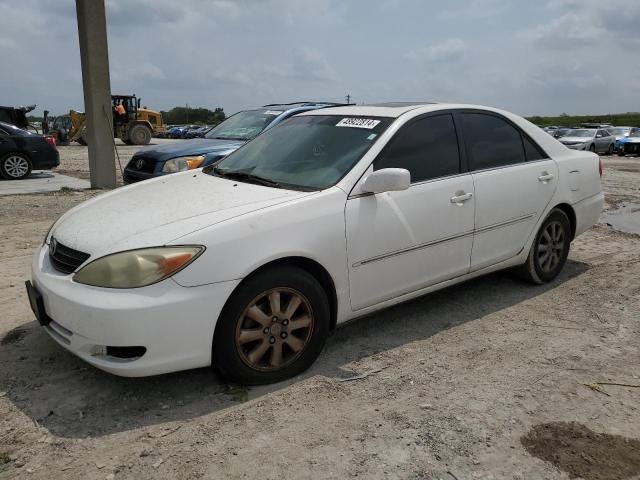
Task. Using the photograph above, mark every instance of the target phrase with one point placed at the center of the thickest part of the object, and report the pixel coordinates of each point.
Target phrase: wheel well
(568, 210)
(317, 271)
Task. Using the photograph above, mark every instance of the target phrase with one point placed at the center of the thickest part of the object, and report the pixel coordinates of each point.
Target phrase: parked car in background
(561, 132)
(197, 132)
(220, 141)
(249, 264)
(630, 144)
(619, 133)
(175, 131)
(596, 140)
(22, 151)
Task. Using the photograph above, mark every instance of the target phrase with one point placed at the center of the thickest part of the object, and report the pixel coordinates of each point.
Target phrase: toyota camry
(249, 264)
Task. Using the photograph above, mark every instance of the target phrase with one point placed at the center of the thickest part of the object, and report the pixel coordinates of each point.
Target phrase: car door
(7, 144)
(399, 242)
(514, 181)
(600, 140)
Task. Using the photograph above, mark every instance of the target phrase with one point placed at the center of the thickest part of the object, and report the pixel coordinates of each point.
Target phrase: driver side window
(427, 147)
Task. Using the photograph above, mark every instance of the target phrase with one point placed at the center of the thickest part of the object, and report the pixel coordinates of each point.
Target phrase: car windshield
(310, 152)
(244, 125)
(619, 131)
(580, 133)
(635, 132)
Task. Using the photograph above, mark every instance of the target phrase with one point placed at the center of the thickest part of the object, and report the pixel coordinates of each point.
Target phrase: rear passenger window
(427, 147)
(492, 141)
(532, 151)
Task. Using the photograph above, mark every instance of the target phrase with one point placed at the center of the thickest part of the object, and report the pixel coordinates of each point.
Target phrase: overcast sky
(530, 57)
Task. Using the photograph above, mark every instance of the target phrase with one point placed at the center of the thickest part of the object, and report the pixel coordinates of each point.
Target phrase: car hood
(159, 211)
(575, 139)
(198, 146)
(631, 140)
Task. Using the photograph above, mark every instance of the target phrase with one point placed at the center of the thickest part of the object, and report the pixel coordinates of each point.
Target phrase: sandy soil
(74, 160)
(469, 382)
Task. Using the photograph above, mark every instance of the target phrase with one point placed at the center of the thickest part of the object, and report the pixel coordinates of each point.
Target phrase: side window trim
(462, 138)
(462, 167)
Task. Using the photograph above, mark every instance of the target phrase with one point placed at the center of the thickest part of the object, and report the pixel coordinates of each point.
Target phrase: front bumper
(174, 324)
(580, 146)
(632, 148)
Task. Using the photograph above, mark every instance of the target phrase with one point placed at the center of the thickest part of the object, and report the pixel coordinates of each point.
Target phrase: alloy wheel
(16, 166)
(274, 329)
(550, 247)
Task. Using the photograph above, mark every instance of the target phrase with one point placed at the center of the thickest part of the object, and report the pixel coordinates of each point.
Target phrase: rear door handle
(545, 177)
(461, 197)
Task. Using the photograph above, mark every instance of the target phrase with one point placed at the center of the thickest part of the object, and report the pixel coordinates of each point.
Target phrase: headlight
(181, 164)
(137, 268)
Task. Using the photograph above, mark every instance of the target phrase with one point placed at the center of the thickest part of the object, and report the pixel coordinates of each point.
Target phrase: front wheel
(139, 135)
(592, 148)
(550, 249)
(273, 327)
(610, 150)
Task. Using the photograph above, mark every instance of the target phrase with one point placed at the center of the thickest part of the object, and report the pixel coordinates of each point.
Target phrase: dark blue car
(157, 160)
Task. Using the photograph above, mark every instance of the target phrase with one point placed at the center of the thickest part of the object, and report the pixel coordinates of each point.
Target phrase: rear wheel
(139, 135)
(15, 166)
(272, 328)
(550, 249)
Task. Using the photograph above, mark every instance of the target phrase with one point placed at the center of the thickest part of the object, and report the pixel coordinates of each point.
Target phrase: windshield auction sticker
(367, 123)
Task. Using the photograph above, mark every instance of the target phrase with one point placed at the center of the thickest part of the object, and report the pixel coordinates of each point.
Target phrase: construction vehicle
(138, 124)
(135, 127)
(67, 128)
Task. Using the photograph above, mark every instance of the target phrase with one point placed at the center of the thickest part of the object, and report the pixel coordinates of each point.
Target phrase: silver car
(597, 140)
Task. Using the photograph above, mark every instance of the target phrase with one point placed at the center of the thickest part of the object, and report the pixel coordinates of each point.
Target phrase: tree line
(631, 119)
(189, 115)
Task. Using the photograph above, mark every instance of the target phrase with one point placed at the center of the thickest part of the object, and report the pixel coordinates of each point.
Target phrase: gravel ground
(490, 379)
(74, 160)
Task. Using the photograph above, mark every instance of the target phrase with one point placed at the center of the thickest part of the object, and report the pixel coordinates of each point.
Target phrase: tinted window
(492, 142)
(427, 147)
(532, 151)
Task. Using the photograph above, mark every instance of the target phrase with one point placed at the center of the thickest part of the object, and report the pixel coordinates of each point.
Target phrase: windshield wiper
(244, 175)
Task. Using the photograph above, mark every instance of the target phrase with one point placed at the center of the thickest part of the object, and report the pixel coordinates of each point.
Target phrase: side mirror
(387, 180)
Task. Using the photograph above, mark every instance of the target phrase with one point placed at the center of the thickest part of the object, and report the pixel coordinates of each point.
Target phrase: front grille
(65, 259)
(142, 164)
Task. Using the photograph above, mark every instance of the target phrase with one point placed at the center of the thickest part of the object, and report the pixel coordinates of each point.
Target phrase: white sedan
(334, 214)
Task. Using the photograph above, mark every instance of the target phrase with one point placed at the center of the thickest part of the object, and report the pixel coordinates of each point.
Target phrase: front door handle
(460, 197)
(545, 177)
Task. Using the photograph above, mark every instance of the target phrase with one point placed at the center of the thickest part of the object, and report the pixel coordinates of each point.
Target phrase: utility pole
(94, 59)
(348, 98)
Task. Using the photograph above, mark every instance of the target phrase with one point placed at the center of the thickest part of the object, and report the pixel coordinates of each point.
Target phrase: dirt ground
(476, 381)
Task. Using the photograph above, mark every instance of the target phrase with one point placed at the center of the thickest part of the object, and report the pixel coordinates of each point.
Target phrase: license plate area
(37, 304)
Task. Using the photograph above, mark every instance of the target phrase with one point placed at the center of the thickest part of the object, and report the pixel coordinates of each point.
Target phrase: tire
(592, 148)
(15, 166)
(250, 331)
(538, 269)
(139, 135)
(610, 150)
(621, 153)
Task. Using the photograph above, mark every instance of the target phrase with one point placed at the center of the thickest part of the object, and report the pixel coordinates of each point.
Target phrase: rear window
(15, 131)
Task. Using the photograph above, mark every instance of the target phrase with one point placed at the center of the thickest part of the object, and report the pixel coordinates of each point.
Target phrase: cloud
(529, 57)
(451, 50)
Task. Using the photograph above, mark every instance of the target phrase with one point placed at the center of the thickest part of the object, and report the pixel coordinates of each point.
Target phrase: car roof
(396, 109)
